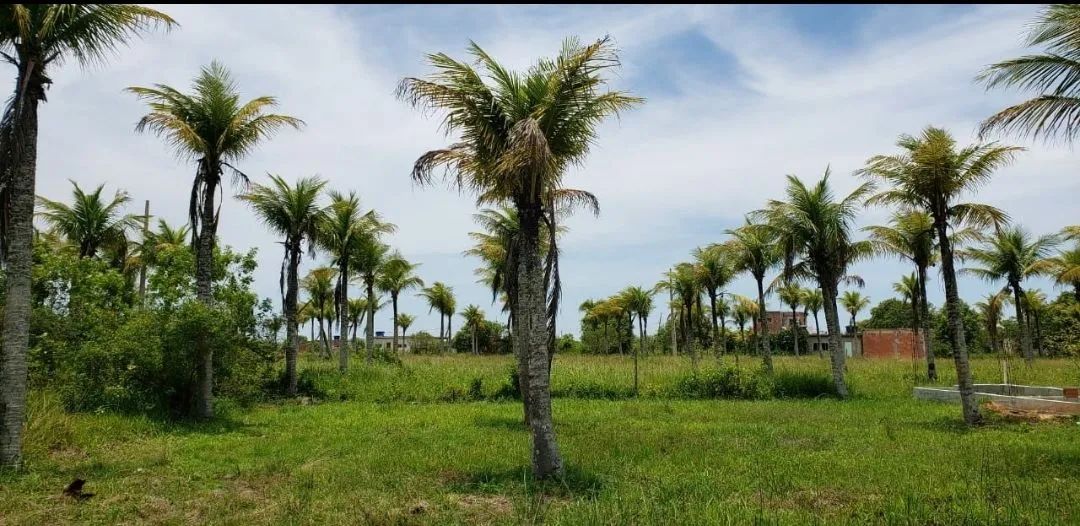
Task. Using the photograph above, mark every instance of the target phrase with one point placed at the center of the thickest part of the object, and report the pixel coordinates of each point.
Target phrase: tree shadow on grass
(505, 423)
(217, 426)
(576, 483)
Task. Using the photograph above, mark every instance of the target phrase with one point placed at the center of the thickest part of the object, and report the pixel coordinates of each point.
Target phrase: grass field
(399, 446)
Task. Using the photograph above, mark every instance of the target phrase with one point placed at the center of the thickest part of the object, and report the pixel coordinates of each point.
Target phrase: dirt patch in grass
(483, 509)
(1024, 415)
(821, 501)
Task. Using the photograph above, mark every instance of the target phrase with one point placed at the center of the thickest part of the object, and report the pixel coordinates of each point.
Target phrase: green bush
(743, 384)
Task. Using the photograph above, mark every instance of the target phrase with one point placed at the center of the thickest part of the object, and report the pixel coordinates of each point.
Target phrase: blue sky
(737, 98)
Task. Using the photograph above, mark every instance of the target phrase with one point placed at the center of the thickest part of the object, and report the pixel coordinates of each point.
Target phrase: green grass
(395, 453)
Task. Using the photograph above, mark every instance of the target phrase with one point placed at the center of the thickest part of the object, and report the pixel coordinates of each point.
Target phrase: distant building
(873, 343)
(776, 320)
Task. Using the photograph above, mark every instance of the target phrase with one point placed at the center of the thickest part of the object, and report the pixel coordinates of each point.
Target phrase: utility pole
(142, 267)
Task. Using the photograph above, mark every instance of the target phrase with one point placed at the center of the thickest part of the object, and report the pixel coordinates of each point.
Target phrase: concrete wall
(891, 343)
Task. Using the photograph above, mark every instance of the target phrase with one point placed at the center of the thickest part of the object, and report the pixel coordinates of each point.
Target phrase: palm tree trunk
(292, 337)
(715, 325)
(1038, 334)
(723, 335)
(956, 324)
(322, 336)
(1023, 322)
(763, 330)
(369, 344)
(17, 265)
(817, 331)
(924, 318)
(637, 351)
(393, 299)
(836, 348)
(442, 326)
(343, 315)
(475, 346)
(204, 262)
(795, 331)
(688, 332)
(531, 333)
(449, 328)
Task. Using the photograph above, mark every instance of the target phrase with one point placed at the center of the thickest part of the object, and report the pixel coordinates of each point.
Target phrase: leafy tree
(931, 174)
(816, 232)
(890, 313)
(212, 128)
(397, 275)
(292, 211)
(1061, 324)
(755, 250)
(1050, 74)
(1012, 255)
(35, 38)
(519, 133)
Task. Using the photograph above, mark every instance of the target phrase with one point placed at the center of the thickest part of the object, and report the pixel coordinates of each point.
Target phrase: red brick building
(776, 319)
(891, 343)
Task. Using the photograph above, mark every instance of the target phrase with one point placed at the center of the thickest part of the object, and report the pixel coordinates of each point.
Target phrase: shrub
(727, 382)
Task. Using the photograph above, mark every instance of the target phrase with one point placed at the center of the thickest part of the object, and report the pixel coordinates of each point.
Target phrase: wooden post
(142, 267)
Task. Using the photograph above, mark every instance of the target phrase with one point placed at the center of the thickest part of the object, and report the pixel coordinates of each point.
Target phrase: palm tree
(34, 38)
(519, 133)
(404, 321)
(910, 236)
(815, 230)
(319, 285)
(437, 297)
(368, 259)
(639, 301)
(908, 289)
(293, 212)
(754, 249)
(853, 303)
(341, 233)
(931, 175)
(746, 310)
(714, 271)
(358, 308)
(1051, 75)
(449, 307)
(474, 318)
(683, 281)
(990, 309)
(163, 239)
(1012, 255)
(89, 222)
(397, 275)
(1034, 306)
(212, 128)
(722, 309)
(792, 296)
(812, 303)
(1065, 267)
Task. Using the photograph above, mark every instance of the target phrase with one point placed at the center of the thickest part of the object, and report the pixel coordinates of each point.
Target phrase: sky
(737, 98)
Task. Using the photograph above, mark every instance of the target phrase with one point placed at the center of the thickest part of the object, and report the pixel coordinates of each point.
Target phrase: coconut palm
(344, 228)
(404, 321)
(639, 301)
(437, 297)
(36, 38)
(854, 303)
(165, 238)
(931, 174)
(1050, 75)
(368, 258)
(792, 295)
(1013, 255)
(215, 130)
(519, 133)
(721, 310)
(754, 249)
(1034, 306)
(682, 280)
(714, 271)
(292, 211)
(746, 310)
(358, 308)
(990, 309)
(319, 286)
(816, 231)
(397, 275)
(908, 289)
(89, 222)
(812, 304)
(474, 318)
(1065, 266)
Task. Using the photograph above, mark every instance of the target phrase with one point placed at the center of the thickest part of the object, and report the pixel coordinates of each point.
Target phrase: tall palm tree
(319, 286)
(854, 303)
(292, 211)
(816, 231)
(214, 129)
(1013, 255)
(404, 321)
(474, 318)
(519, 133)
(89, 222)
(639, 301)
(683, 281)
(1034, 306)
(746, 310)
(449, 308)
(1065, 266)
(990, 309)
(722, 309)
(1051, 75)
(358, 308)
(931, 174)
(812, 303)
(341, 233)
(908, 289)
(35, 38)
(368, 259)
(792, 296)
(755, 250)
(715, 271)
(397, 275)
(437, 296)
